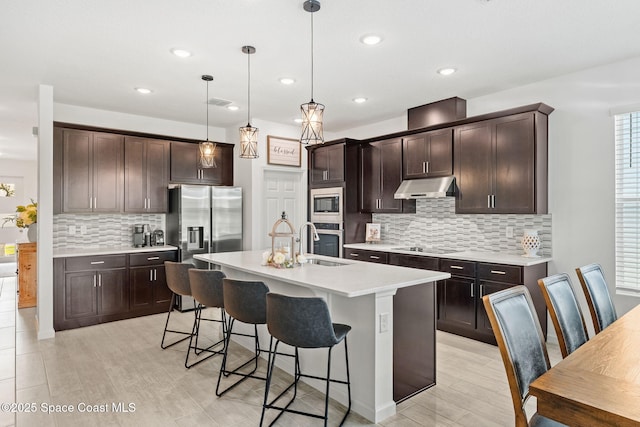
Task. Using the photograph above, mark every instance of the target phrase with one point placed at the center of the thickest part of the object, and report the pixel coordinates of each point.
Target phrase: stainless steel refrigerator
(203, 219)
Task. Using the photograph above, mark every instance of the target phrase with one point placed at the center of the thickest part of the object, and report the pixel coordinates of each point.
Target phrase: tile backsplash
(101, 230)
(435, 223)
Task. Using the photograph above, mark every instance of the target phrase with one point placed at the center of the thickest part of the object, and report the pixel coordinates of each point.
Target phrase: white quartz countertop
(353, 279)
(490, 257)
(110, 250)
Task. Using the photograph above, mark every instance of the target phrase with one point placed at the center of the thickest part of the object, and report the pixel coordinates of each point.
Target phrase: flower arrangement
(280, 259)
(25, 215)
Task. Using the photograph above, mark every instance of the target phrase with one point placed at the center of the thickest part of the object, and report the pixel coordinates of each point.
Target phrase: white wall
(581, 159)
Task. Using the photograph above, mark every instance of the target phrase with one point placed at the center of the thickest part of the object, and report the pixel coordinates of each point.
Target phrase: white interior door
(283, 191)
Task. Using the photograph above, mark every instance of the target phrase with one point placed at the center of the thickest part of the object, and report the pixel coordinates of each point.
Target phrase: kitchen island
(391, 311)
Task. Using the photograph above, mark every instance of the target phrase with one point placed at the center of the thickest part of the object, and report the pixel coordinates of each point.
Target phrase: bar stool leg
(166, 325)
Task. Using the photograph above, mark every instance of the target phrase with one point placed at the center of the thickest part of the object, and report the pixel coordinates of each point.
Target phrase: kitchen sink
(426, 249)
(325, 262)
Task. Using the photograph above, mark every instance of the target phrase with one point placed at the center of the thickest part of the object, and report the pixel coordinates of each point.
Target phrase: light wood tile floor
(121, 362)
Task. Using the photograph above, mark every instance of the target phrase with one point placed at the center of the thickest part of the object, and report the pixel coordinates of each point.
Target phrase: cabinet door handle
(152, 258)
(151, 275)
(498, 272)
(489, 201)
(94, 280)
(424, 167)
(427, 166)
(374, 257)
(97, 262)
(95, 203)
(456, 267)
(149, 203)
(471, 288)
(90, 202)
(155, 274)
(352, 254)
(100, 280)
(481, 291)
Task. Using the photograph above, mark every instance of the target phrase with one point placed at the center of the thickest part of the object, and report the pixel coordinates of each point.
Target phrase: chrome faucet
(315, 235)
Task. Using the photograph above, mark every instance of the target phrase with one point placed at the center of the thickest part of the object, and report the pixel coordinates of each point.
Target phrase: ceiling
(94, 55)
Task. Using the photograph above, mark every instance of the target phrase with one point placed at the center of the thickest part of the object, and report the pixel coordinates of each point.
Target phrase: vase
(531, 243)
(32, 232)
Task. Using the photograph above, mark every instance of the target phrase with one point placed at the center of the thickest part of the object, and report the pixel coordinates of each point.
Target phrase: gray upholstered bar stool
(244, 301)
(178, 282)
(303, 322)
(206, 289)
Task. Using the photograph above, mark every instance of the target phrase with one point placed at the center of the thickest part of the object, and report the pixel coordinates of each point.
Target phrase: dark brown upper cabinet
(91, 171)
(381, 174)
(326, 165)
(185, 165)
(501, 165)
(146, 175)
(428, 154)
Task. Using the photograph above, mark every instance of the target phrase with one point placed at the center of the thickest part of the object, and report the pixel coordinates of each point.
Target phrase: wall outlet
(83, 229)
(384, 322)
(386, 228)
(72, 230)
(509, 231)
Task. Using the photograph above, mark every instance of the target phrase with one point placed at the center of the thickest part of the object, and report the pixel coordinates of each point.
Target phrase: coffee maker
(157, 238)
(139, 231)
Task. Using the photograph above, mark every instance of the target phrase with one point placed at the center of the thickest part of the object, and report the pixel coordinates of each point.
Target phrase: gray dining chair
(177, 274)
(564, 311)
(519, 336)
(596, 291)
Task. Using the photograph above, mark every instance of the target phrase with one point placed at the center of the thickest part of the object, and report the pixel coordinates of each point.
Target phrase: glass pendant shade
(207, 154)
(248, 142)
(312, 123)
(207, 148)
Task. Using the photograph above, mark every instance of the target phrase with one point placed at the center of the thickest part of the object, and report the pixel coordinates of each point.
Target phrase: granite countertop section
(479, 256)
(351, 279)
(110, 250)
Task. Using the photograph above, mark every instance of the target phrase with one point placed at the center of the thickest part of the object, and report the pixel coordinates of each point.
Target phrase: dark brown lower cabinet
(96, 289)
(460, 307)
(149, 291)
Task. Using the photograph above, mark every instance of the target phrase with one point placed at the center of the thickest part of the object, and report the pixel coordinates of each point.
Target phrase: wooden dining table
(599, 383)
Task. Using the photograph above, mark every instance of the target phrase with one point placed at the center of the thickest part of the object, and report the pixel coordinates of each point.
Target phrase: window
(627, 127)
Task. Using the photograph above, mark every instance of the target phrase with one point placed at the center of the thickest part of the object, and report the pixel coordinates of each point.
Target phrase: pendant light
(312, 111)
(207, 148)
(248, 134)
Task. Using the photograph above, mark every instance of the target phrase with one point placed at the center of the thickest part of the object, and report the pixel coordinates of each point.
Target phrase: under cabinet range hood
(426, 188)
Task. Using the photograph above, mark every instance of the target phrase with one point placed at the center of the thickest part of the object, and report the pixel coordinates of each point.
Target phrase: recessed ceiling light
(143, 90)
(359, 100)
(181, 53)
(287, 81)
(233, 107)
(371, 39)
(298, 120)
(446, 71)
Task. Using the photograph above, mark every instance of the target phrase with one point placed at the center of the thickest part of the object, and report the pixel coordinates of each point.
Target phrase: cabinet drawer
(95, 262)
(370, 256)
(500, 273)
(414, 261)
(151, 258)
(458, 268)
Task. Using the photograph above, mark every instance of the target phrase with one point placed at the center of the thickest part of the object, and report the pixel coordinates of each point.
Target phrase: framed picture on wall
(283, 151)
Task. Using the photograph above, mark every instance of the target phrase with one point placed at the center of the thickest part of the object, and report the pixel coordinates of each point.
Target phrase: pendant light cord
(249, 89)
(312, 56)
(207, 103)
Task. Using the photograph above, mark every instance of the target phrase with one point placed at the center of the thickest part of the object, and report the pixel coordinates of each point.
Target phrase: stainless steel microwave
(326, 205)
